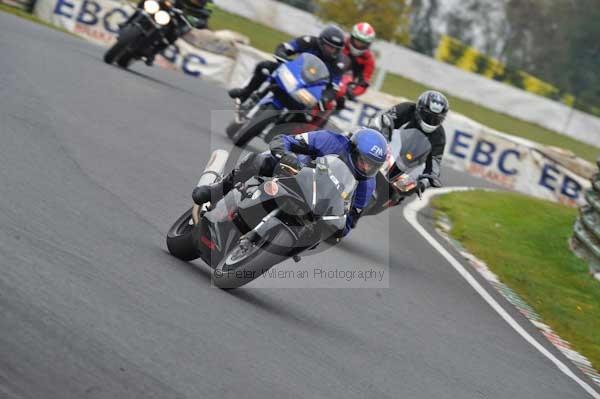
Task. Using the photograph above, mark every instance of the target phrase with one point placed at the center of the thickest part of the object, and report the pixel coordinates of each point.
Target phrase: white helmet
(361, 37)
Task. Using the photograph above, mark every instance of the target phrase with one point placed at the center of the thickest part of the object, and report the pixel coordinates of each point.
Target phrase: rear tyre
(179, 238)
(239, 268)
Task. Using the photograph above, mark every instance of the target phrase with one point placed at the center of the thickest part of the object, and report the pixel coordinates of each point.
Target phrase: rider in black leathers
(426, 115)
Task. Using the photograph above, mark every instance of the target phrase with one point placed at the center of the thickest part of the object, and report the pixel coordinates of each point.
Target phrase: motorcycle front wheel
(120, 50)
(255, 126)
(179, 238)
(242, 265)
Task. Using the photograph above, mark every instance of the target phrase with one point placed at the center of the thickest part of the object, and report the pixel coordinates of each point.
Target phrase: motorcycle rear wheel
(235, 271)
(179, 238)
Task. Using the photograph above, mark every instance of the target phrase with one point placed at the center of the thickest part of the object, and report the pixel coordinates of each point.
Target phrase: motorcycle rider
(364, 153)
(197, 13)
(426, 115)
(362, 61)
(327, 46)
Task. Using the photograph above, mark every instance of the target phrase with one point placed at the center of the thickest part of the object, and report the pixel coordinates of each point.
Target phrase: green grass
(524, 241)
(28, 16)
(262, 37)
(398, 85)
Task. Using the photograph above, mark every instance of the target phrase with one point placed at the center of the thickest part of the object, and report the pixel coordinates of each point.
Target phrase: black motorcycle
(154, 26)
(399, 175)
(266, 220)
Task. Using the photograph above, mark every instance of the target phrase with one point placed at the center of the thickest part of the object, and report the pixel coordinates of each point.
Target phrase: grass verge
(262, 37)
(524, 241)
(266, 39)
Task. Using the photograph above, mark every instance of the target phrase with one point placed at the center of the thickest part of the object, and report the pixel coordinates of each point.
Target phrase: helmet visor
(364, 165)
(359, 44)
(330, 51)
(431, 118)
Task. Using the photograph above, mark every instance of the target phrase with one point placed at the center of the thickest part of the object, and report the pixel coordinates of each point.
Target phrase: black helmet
(432, 108)
(331, 42)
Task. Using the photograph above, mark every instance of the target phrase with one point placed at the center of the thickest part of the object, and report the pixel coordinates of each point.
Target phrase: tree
(390, 18)
(423, 36)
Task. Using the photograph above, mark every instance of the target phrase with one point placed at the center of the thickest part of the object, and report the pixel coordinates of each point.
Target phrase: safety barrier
(508, 161)
(26, 5)
(586, 232)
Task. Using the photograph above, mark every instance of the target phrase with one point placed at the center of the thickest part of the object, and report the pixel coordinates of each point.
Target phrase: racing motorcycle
(400, 173)
(295, 86)
(154, 26)
(266, 220)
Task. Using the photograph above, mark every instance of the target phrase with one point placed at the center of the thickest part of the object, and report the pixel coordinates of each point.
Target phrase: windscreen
(410, 147)
(313, 70)
(335, 184)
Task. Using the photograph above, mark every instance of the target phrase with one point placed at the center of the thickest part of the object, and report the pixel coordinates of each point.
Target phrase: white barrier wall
(97, 21)
(426, 70)
(511, 162)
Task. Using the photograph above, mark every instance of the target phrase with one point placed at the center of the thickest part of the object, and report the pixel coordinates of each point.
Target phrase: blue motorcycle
(293, 88)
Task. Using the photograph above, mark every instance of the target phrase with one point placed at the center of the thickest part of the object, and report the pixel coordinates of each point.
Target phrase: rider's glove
(290, 163)
(284, 50)
(383, 123)
(350, 92)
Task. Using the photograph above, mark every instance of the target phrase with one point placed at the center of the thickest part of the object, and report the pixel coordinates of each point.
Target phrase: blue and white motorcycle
(288, 93)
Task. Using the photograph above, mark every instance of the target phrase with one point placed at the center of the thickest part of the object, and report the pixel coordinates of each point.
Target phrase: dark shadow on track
(297, 316)
(363, 251)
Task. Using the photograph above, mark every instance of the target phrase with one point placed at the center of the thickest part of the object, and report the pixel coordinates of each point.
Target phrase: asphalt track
(97, 162)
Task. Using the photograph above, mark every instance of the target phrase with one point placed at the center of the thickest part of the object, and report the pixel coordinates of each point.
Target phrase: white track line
(410, 213)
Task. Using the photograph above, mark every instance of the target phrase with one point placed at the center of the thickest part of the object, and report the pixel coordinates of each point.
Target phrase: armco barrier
(400, 60)
(509, 161)
(586, 233)
(98, 21)
(26, 5)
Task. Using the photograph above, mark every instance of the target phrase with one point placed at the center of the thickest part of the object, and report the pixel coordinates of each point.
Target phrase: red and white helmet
(361, 37)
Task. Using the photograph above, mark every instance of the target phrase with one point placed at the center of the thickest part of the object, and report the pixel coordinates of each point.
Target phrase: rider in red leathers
(356, 80)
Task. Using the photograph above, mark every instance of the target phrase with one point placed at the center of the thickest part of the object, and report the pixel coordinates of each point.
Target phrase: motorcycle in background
(296, 85)
(399, 175)
(154, 26)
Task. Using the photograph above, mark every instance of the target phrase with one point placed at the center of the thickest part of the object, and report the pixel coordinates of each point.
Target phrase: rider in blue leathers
(364, 153)
(327, 46)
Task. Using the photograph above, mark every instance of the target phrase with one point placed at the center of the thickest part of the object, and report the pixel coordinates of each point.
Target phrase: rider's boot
(239, 93)
(214, 192)
(251, 165)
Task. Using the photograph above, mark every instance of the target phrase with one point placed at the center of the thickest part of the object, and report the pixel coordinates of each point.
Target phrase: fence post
(586, 232)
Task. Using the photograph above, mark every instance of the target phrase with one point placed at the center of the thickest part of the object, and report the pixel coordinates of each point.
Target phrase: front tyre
(241, 266)
(179, 238)
(255, 126)
(120, 49)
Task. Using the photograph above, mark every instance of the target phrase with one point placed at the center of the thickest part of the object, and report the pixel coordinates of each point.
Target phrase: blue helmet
(368, 151)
